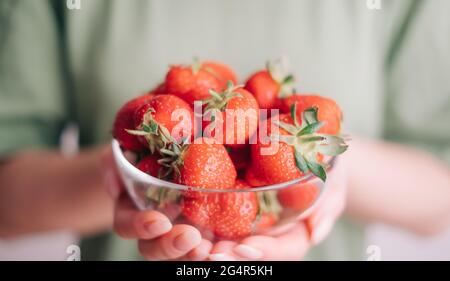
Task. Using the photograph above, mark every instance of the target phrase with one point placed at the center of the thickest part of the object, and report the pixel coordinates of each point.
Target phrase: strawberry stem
(308, 143)
(218, 100)
(278, 72)
(268, 202)
(196, 65)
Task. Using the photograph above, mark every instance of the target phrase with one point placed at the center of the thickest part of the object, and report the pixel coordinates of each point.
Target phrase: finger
(201, 252)
(320, 229)
(280, 229)
(130, 223)
(289, 246)
(330, 206)
(223, 251)
(321, 222)
(334, 190)
(172, 245)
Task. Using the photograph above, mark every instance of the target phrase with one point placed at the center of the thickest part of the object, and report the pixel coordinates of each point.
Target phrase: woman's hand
(292, 242)
(44, 191)
(160, 240)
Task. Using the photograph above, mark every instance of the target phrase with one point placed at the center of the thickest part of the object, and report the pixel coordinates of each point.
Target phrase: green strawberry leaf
(167, 151)
(332, 145)
(309, 116)
(137, 132)
(288, 139)
(317, 170)
(310, 129)
(176, 149)
(230, 85)
(300, 162)
(196, 65)
(146, 128)
(294, 114)
(311, 138)
(215, 94)
(268, 202)
(165, 135)
(288, 79)
(154, 127)
(287, 127)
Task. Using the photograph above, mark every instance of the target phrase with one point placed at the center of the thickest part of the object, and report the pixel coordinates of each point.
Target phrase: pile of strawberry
(169, 146)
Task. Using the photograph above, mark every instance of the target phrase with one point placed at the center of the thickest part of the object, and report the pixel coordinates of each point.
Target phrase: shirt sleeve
(32, 84)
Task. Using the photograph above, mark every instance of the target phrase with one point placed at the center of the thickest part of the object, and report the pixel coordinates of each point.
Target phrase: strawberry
(228, 215)
(149, 165)
(163, 119)
(125, 120)
(198, 208)
(293, 148)
(298, 197)
(221, 71)
(270, 85)
(202, 164)
(234, 104)
(327, 110)
(191, 83)
(237, 213)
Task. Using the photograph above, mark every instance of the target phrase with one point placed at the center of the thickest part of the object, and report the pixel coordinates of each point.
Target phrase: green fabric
(417, 85)
(387, 68)
(32, 106)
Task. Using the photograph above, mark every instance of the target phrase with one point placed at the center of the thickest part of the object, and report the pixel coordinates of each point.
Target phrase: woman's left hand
(291, 242)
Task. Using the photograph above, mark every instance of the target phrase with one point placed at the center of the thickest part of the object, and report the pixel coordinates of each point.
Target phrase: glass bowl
(289, 201)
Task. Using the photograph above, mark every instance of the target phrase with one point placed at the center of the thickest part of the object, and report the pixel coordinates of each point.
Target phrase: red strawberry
(298, 197)
(237, 213)
(327, 110)
(234, 104)
(125, 120)
(221, 71)
(191, 83)
(228, 215)
(149, 165)
(270, 85)
(277, 167)
(203, 164)
(163, 119)
(294, 150)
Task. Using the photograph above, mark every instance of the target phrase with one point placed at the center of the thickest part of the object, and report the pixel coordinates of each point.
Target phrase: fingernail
(157, 227)
(221, 257)
(186, 241)
(321, 231)
(247, 251)
(111, 185)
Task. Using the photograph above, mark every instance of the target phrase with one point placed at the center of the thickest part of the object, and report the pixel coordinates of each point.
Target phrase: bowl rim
(141, 176)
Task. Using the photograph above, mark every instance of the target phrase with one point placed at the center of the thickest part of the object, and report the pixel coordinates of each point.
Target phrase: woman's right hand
(157, 238)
